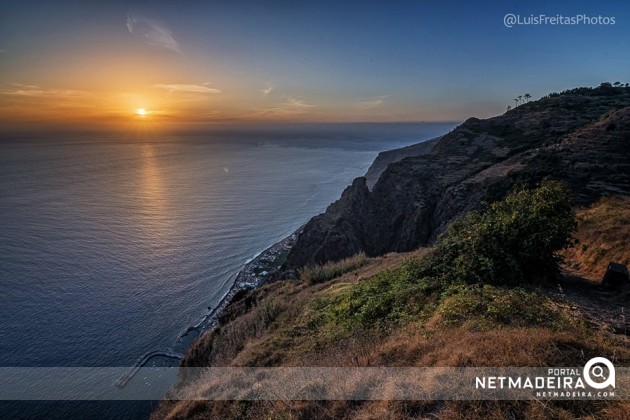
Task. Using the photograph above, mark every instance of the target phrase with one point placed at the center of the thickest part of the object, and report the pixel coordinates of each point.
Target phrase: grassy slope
(604, 231)
(292, 323)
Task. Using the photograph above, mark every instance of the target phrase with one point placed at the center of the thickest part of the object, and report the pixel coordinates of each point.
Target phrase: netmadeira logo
(597, 375)
(592, 369)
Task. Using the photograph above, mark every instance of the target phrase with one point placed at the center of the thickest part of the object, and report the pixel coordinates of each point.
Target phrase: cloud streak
(293, 106)
(152, 33)
(187, 88)
(295, 102)
(371, 103)
(18, 89)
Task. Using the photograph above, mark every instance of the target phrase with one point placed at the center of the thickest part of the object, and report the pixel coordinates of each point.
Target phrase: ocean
(110, 246)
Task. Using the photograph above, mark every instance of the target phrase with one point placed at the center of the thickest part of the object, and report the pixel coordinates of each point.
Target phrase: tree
(528, 97)
(616, 84)
(509, 107)
(627, 84)
(515, 102)
(520, 98)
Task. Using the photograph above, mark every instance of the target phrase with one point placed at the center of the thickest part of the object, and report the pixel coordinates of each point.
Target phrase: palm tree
(528, 96)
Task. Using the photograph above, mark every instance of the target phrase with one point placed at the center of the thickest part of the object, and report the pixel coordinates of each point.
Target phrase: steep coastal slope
(385, 313)
(580, 137)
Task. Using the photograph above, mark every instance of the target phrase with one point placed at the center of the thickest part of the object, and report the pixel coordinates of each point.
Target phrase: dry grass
(270, 327)
(417, 347)
(400, 410)
(603, 233)
(500, 347)
(255, 322)
(314, 274)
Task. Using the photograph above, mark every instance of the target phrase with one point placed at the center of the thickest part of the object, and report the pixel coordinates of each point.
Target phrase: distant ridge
(392, 156)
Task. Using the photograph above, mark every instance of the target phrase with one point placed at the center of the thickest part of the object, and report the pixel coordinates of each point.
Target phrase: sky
(199, 63)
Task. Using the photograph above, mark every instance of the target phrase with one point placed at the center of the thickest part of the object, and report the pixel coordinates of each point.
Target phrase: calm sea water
(110, 247)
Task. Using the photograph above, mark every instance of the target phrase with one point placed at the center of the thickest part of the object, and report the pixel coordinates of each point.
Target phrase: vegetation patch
(486, 307)
(514, 242)
(314, 274)
(602, 235)
(388, 297)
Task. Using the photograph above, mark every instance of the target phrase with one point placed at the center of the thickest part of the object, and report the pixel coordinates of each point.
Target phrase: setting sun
(141, 112)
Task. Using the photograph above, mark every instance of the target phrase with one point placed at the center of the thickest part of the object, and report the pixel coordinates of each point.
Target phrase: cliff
(581, 137)
(384, 159)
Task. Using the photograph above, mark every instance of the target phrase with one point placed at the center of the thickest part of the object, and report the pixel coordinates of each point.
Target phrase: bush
(487, 307)
(314, 274)
(515, 241)
(388, 297)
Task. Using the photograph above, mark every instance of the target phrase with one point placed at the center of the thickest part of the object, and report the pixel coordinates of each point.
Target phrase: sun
(141, 112)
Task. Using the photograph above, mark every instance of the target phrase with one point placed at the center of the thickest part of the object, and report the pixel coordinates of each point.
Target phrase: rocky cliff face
(384, 159)
(581, 137)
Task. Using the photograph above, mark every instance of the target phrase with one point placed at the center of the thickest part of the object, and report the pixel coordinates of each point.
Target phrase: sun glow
(141, 112)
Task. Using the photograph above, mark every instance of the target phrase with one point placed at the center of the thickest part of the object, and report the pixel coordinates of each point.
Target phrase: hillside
(580, 137)
(602, 237)
(452, 259)
(384, 314)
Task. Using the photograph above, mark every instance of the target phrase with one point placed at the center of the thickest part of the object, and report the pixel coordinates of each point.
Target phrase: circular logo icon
(598, 377)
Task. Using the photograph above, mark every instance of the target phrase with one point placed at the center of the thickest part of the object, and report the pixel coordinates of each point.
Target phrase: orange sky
(115, 102)
(92, 64)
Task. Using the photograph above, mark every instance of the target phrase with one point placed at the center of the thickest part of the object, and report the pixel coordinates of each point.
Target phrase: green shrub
(491, 306)
(390, 296)
(514, 241)
(314, 274)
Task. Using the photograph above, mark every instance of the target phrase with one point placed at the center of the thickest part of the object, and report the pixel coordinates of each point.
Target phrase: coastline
(254, 273)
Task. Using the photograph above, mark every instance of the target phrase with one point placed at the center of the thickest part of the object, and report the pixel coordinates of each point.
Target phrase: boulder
(616, 276)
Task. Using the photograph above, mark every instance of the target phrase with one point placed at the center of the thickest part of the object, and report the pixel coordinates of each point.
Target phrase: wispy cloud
(187, 88)
(152, 32)
(292, 106)
(266, 91)
(297, 103)
(370, 103)
(18, 89)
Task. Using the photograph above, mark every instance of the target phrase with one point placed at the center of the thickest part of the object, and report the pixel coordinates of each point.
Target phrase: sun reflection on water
(155, 212)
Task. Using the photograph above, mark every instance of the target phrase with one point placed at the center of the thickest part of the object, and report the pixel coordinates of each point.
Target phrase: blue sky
(206, 61)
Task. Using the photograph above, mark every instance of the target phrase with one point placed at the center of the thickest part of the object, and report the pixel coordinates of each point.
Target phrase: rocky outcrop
(581, 137)
(383, 159)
